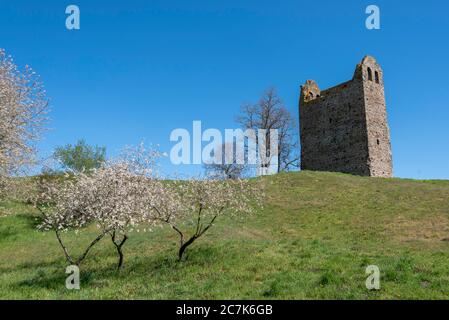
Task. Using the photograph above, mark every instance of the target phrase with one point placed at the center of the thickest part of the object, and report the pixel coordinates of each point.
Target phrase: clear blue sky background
(139, 69)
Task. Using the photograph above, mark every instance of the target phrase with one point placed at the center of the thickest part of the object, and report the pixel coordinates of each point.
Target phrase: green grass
(313, 240)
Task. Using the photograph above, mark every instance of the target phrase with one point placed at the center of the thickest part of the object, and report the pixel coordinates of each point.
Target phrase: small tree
(112, 197)
(201, 202)
(80, 157)
(23, 115)
(61, 211)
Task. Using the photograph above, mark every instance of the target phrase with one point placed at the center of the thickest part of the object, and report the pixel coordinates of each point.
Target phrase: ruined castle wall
(344, 128)
(378, 133)
(333, 130)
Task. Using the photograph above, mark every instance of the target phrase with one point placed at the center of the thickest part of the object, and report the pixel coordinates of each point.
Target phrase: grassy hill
(313, 240)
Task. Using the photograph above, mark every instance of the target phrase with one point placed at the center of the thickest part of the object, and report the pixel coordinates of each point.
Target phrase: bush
(80, 157)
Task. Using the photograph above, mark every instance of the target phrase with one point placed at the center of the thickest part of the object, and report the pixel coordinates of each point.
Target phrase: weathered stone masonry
(344, 128)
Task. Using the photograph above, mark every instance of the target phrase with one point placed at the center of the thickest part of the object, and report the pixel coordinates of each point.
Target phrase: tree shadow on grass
(51, 274)
(22, 221)
(202, 255)
(167, 261)
(30, 220)
(7, 232)
(99, 270)
(54, 278)
(28, 266)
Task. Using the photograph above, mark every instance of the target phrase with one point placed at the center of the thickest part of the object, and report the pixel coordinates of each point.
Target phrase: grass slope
(313, 240)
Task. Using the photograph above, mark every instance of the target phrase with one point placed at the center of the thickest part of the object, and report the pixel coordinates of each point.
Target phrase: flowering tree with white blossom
(23, 115)
(200, 202)
(126, 194)
(113, 197)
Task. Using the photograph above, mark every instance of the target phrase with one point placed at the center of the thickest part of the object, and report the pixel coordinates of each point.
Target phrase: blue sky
(139, 69)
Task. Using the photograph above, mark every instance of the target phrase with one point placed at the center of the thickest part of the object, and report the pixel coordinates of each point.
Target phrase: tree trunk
(120, 259)
(184, 246)
(80, 259)
(199, 232)
(118, 246)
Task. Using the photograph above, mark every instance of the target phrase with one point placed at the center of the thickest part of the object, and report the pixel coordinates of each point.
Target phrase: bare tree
(270, 114)
(226, 163)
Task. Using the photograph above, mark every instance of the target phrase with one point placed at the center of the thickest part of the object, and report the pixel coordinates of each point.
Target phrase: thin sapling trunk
(118, 245)
(200, 230)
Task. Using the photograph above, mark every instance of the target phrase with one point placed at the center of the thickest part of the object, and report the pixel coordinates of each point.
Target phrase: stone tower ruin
(344, 128)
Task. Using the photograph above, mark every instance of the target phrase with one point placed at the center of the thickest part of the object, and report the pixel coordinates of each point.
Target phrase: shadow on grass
(167, 261)
(56, 280)
(22, 222)
(101, 269)
(31, 266)
(30, 220)
(7, 232)
(51, 274)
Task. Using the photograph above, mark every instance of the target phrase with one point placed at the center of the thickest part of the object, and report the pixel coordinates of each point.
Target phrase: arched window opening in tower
(370, 74)
(376, 76)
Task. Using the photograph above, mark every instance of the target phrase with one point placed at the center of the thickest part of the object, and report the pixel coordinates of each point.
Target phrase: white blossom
(23, 113)
(113, 197)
